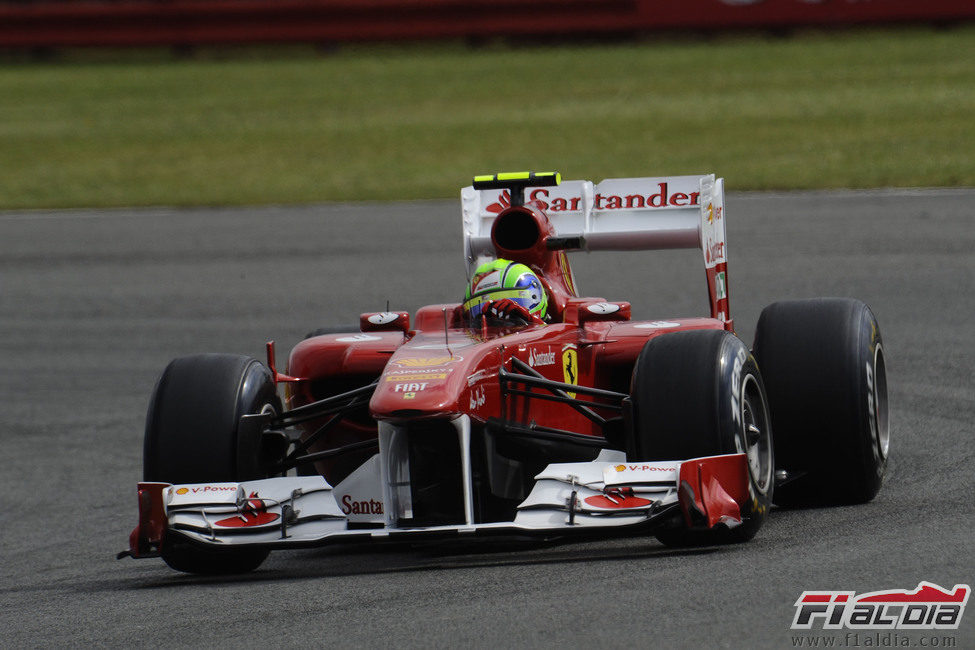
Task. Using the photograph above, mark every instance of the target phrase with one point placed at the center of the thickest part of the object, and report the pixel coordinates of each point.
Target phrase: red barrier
(203, 22)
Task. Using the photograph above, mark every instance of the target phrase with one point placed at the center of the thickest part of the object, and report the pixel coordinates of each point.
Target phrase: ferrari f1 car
(588, 421)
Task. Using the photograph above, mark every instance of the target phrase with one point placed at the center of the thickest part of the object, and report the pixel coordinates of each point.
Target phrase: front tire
(192, 436)
(699, 393)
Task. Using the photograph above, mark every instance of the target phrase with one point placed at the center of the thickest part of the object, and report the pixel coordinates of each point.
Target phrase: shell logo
(620, 468)
(182, 490)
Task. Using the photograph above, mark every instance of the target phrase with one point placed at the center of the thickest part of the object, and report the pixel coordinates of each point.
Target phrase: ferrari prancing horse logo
(570, 366)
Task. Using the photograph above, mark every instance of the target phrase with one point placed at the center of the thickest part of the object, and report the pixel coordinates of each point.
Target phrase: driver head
(505, 279)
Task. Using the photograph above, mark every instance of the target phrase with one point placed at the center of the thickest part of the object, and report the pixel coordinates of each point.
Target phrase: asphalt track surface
(94, 304)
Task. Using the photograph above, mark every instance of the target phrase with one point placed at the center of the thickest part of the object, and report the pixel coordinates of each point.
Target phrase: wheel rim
(757, 433)
(881, 422)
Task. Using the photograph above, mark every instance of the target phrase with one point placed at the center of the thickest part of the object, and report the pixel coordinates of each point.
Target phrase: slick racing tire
(699, 393)
(825, 373)
(192, 437)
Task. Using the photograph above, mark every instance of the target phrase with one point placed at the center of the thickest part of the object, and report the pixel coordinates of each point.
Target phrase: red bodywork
(449, 423)
(445, 366)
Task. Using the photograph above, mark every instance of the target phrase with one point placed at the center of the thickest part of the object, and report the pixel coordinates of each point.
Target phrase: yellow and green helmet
(501, 279)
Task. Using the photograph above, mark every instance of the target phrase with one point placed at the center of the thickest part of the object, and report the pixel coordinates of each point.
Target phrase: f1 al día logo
(929, 607)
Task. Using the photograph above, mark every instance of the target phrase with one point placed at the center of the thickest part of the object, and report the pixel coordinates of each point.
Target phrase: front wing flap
(567, 497)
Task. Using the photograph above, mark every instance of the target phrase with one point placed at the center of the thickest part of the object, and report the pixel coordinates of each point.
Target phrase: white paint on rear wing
(616, 214)
(621, 214)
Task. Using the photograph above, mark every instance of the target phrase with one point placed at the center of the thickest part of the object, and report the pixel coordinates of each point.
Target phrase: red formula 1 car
(462, 424)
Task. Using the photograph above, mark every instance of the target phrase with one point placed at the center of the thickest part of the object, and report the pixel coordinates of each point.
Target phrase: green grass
(852, 109)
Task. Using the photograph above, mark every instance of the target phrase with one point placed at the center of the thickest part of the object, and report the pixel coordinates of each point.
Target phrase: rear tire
(825, 371)
(192, 437)
(699, 393)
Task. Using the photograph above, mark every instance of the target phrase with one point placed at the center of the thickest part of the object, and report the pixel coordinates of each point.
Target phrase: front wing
(568, 497)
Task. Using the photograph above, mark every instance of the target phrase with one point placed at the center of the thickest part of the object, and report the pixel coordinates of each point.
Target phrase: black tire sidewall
(192, 422)
(686, 396)
(192, 436)
(866, 459)
(819, 361)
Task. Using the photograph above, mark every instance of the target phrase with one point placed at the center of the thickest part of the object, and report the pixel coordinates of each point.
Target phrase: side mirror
(581, 311)
(385, 321)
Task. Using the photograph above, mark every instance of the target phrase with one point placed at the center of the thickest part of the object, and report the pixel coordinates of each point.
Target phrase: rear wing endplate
(621, 214)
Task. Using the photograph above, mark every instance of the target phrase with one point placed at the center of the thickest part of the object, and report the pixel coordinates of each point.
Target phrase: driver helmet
(500, 279)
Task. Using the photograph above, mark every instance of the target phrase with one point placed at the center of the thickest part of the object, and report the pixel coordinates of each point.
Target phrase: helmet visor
(527, 298)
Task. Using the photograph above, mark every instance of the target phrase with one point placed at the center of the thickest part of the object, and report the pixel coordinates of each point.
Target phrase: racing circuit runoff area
(95, 303)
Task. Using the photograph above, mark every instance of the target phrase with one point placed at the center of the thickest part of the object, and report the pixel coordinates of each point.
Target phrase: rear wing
(620, 214)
